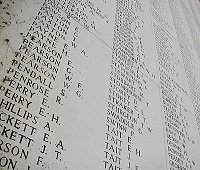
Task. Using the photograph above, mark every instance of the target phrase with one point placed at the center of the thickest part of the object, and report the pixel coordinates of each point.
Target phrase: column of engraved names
(125, 113)
(187, 52)
(194, 32)
(188, 56)
(87, 14)
(28, 82)
(175, 123)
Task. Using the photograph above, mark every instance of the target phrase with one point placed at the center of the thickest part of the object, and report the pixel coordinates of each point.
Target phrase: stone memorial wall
(100, 85)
